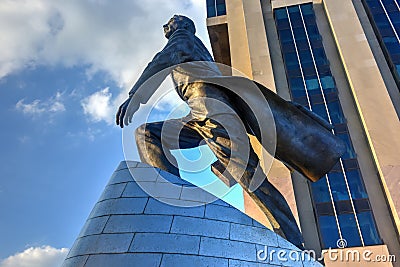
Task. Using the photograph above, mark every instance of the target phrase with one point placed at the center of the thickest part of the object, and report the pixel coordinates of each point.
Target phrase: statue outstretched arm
(178, 50)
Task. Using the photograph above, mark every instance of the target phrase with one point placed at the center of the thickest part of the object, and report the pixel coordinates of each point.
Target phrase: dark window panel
(300, 34)
(341, 128)
(386, 31)
(391, 8)
(211, 12)
(313, 32)
(368, 228)
(283, 24)
(288, 47)
(329, 231)
(349, 230)
(325, 208)
(374, 4)
(349, 164)
(302, 45)
(324, 70)
(293, 9)
(291, 60)
(307, 9)
(344, 207)
(331, 96)
(398, 69)
(320, 191)
(316, 97)
(355, 184)
(338, 186)
(336, 168)
(335, 112)
(305, 57)
(301, 99)
(316, 43)
(362, 205)
(349, 154)
(285, 36)
(295, 72)
(320, 110)
(395, 17)
(309, 70)
(309, 20)
(393, 48)
(280, 13)
(390, 39)
(296, 84)
(319, 55)
(221, 9)
(381, 20)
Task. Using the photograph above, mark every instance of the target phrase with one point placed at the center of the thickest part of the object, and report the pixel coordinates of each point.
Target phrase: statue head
(178, 22)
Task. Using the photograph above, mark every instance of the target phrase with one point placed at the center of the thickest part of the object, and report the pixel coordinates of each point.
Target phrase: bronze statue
(224, 109)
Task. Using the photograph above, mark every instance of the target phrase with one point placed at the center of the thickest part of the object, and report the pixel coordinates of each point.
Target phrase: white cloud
(44, 256)
(37, 107)
(97, 106)
(118, 37)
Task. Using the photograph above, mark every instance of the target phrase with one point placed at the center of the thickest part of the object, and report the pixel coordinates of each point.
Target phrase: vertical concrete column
(248, 41)
(375, 108)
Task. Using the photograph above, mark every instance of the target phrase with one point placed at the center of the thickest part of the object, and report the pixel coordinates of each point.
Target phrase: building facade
(340, 59)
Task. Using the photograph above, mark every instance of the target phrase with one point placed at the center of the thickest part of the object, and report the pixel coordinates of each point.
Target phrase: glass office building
(322, 55)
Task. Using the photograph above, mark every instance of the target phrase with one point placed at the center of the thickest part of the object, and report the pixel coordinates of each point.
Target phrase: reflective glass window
(313, 32)
(322, 102)
(356, 185)
(327, 82)
(291, 60)
(280, 14)
(338, 186)
(393, 48)
(307, 9)
(349, 154)
(296, 84)
(221, 10)
(312, 84)
(329, 231)
(305, 58)
(285, 36)
(335, 111)
(216, 8)
(349, 229)
(293, 9)
(368, 228)
(299, 34)
(320, 110)
(320, 191)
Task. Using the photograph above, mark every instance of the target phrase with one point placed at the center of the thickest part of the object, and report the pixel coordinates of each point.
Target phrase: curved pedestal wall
(147, 217)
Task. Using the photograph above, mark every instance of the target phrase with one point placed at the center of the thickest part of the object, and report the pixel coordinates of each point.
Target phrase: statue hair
(185, 23)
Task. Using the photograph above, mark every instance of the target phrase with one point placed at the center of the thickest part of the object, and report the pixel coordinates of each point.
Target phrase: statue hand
(126, 111)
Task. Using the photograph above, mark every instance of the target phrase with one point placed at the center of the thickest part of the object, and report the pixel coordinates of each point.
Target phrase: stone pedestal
(147, 217)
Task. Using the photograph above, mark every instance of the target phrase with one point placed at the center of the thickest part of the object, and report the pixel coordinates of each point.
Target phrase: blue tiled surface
(166, 243)
(128, 227)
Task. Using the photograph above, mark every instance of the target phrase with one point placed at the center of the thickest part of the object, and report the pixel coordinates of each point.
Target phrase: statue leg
(155, 140)
(266, 196)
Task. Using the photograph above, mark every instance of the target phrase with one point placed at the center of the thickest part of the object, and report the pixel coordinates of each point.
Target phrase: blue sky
(65, 66)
